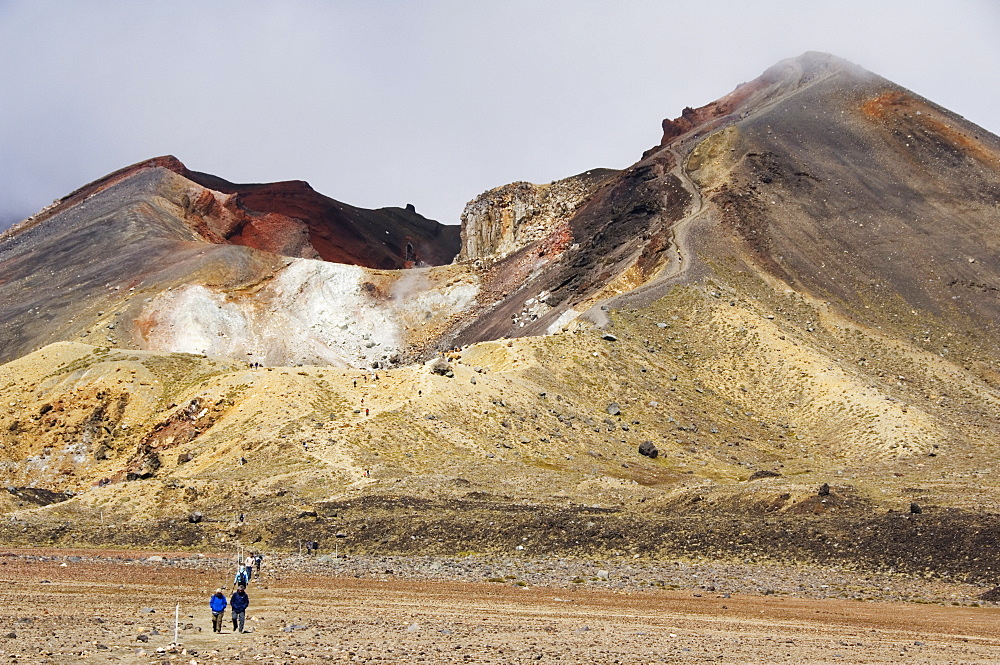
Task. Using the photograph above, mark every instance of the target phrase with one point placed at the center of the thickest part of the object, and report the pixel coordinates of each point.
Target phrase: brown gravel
(90, 607)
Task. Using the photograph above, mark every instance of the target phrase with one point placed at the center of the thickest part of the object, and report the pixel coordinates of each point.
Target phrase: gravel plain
(78, 606)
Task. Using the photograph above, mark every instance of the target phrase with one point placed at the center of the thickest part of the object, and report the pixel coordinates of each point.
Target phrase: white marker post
(177, 614)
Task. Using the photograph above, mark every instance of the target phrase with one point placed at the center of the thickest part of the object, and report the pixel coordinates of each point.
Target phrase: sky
(385, 103)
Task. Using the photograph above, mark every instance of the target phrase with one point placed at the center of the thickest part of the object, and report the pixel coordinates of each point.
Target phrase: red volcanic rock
(292, 219)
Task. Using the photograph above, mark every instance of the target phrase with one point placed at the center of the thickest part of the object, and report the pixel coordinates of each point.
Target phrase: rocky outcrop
(501, 221)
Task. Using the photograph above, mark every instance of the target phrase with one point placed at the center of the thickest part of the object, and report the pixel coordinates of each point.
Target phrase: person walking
(241, 579)
(257, 558)
(218, 605)
(238, 605)
(248, 566)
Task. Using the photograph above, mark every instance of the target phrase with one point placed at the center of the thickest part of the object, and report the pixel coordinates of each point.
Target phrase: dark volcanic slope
(866, 196)
(157, 225)
(829, 178)
(59, 275)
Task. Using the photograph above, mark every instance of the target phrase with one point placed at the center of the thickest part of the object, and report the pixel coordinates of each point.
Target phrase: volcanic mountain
(773, 335)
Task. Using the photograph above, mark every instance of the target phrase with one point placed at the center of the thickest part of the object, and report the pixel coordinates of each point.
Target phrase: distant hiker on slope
(248, 564)
(241, 579)
(239, 604)
(257, 558)
(218, 605)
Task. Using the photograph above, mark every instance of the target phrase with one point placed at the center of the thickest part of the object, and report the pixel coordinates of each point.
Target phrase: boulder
(648, 449)
(442, 367)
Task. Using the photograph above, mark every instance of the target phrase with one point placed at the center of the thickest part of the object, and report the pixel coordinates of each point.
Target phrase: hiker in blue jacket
(218, 605)
(239, 604)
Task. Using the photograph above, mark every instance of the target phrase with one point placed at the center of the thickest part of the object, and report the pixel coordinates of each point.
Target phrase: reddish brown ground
(57, 610)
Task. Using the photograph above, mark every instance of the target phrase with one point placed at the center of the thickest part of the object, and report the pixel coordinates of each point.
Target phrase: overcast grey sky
(387, 103)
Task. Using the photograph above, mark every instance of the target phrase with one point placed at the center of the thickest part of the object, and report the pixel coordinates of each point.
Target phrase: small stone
(142, 637)
(613, 409)
(648, 449)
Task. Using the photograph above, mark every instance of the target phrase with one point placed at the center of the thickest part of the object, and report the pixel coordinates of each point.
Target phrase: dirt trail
(680, 254)
(57, 610)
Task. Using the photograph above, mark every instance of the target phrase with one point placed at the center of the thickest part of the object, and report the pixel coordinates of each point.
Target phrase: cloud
(430, 103)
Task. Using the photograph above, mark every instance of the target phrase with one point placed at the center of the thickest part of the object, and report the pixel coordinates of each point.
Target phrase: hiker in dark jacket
(218, 605)
(239, 604)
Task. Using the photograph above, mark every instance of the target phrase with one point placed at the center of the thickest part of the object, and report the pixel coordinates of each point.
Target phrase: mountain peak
(787, 313)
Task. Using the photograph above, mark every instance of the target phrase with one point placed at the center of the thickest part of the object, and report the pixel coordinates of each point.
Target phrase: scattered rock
(442, 367)
(824, 490)
(764, 473)
(648, 449)
(613, 409)
(609, 337)
(915, 508)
